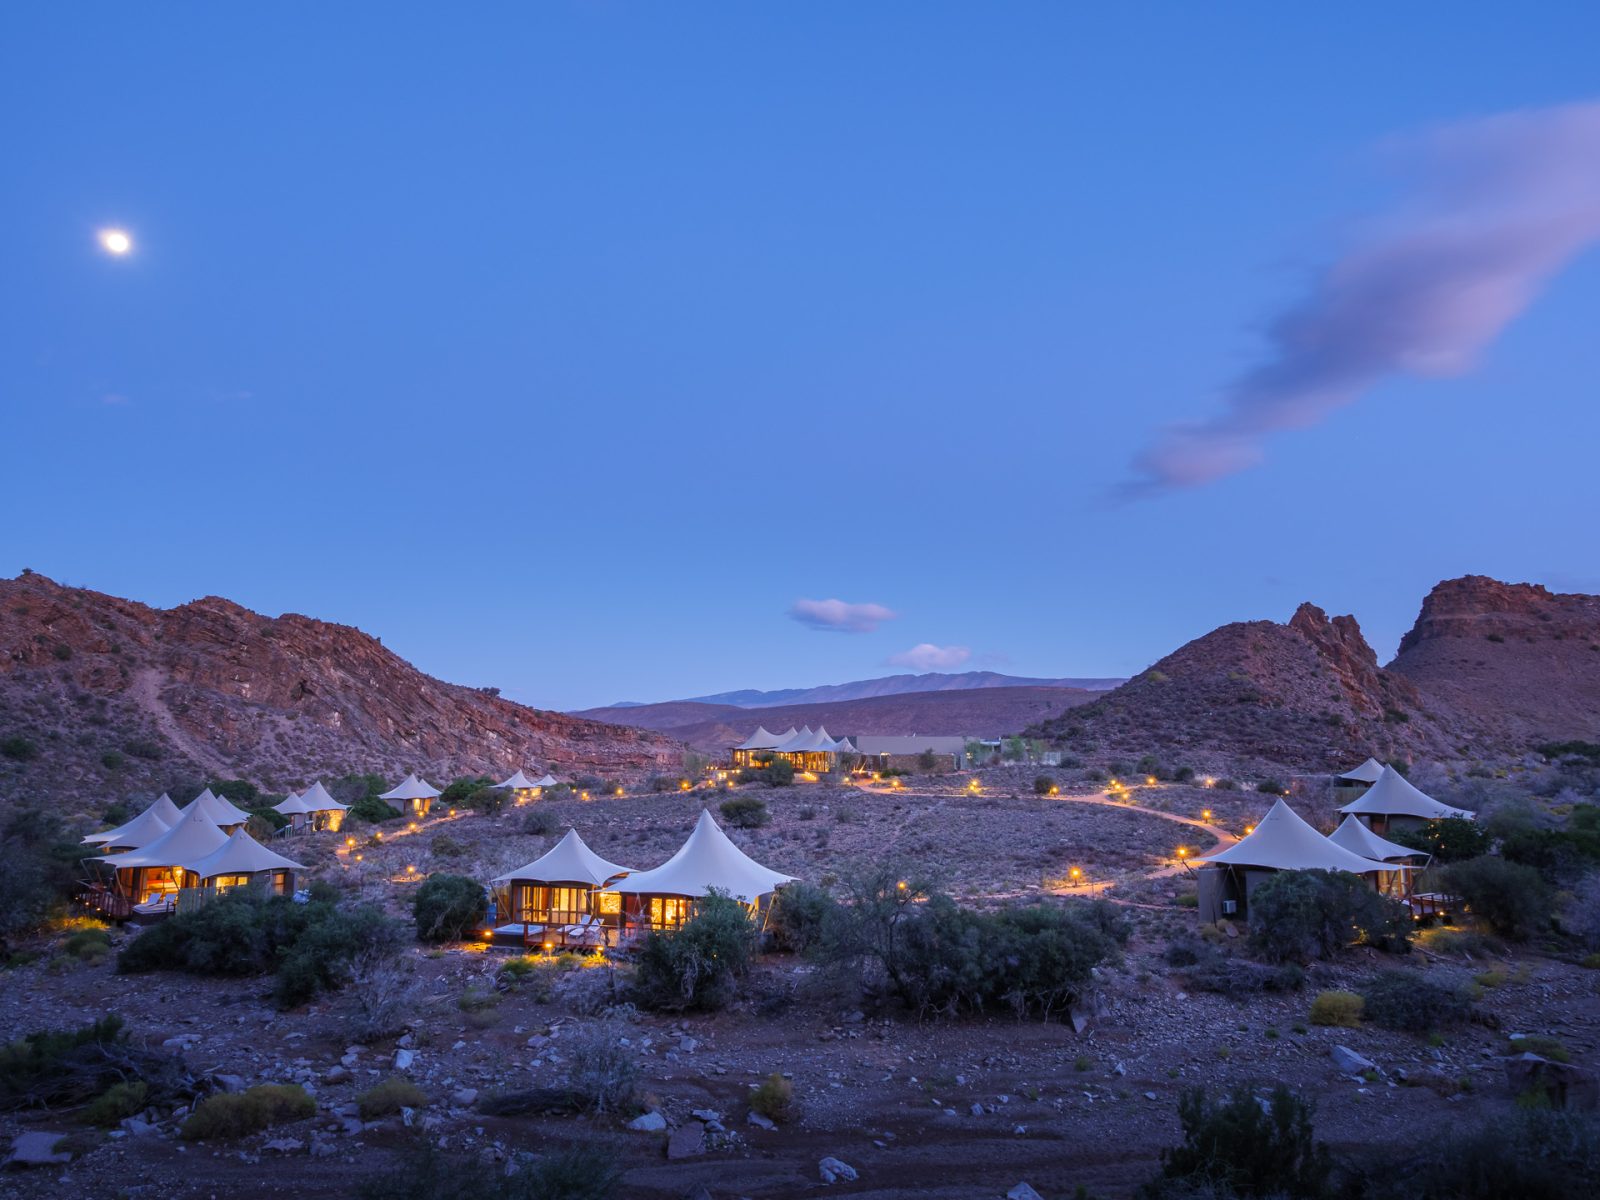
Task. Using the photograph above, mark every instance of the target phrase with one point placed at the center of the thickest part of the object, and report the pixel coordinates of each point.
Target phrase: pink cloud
(1495, 208)
(838, 616)
(925, 656)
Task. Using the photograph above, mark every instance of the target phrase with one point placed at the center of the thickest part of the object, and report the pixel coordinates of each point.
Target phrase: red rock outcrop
(115, 695)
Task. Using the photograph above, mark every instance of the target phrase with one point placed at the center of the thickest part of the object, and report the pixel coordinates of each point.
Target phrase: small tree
(697, 966)
(1450, 840)
(746, 812)
(1302, 915)
(1242, 1148)
(447, 907)
(1511, 898)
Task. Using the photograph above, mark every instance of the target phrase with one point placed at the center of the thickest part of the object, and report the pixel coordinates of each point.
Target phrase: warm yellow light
(116, 241)
(901, 885)
(411, 869)
(1208, 781)
(683, 785)
(1249, 829)
(1149, 781)
(620, 792)
(349, 841)
(1182, 852)
(1076, 872)
(412, 827)
(1205, 814)
(452, 812)
(1054, 790)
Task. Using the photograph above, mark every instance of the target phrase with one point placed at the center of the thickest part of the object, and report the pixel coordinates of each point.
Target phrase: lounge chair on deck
(587, 932)
(155, 904)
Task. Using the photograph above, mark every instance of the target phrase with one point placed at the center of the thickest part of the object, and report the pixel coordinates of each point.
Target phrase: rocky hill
(1506, 665)
(1489, 670)
(975, 712)
(105, 697)
(893, 685)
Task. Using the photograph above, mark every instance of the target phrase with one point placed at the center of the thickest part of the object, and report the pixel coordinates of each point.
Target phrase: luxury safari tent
(241, 861)
(524, 790)
(1283, 841)
(415, 796)
(141, 831)
(1358, 839)
(759, 746)
(812, 751)
(555, 899)
(664, 898)
(226, 815)
(146, 882)
(313, 810)
(1352, 783)
(1393, 802)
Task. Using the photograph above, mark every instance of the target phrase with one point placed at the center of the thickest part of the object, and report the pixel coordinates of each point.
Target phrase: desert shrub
(1226, 785)
(1529, 1154)
(584, 1171)
(382, 991)
(1185, 951)
(1273, 787)
(1183, 775)
(541, 822)
(447, 907)
(113, 760)
(777, 773)
(1229, 976)
(1450, 840)
(699, 965)
(477, 793)
(235, 1115)
(373, 811)
(1242, 1148)
(1042, 784)
(145, 748)
(602, 1072)
(309, 947)
(1302, 915)
(388, 1097)
(1411, 1002)
(120, 1100)
(774, 1099)
(446, 846)
(19, 749)
(51, 1068)
(1336, 1008)
(1512, 899)
(799, 917)
(90, 945)
(41, 868)
(1544, 1047)
(746, 812)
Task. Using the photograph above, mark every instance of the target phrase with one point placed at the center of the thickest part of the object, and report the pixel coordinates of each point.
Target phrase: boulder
(37, 1149)
(464, 1097)
(760, 1122)
(687, 1141)
(1351, 1063)
(403, 1059)
(230, 1083)
(337, 1075)
(285, 1145)
(650, 1122)
(832, 1170)
(1023, 1192)
(1563, 1084)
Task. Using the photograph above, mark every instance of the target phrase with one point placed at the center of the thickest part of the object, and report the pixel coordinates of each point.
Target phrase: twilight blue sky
(567, 346)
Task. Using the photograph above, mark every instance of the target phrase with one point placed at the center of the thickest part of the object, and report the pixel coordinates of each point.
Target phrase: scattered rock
(336, 1075)
(36, 1149)
(1351, 1063)
(687, 1141)
(230, 1083)
(137, 1128)
(832, 1170)
(1565, 1085)
(760, 1122)
(976, 1110)
(650, 1122)
(464, 1097)
(285, 1146)
(403, 1059)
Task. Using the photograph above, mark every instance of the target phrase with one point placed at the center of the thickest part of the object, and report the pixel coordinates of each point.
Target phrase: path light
(1077, 876)
(411, 868)
(350, 841)
(583, 795)
(1249, 829)
(1205, 814)
(378, 834)
(360, 857)
(1149, 781)
(1208, 781)
(901, 886)
(684, 785)
(620, 792)
(1055, 790)
(452, 812)
(413, 827)
(1183, 852)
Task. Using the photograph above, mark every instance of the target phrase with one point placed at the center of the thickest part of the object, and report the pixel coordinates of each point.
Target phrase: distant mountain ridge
(889, 685)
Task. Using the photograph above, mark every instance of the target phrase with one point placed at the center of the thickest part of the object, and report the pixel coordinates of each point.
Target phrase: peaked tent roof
(760, 740)
(1396, 796)
(1283, 841)
(320, 799)
(131, 835)
(518, 782)
(808, 741)
(293, 806)
(223, 812)
(1367, 772)
(569, 861)
(707, 861)
(190, 840)
(1358, 839)
(241, 854)
(411, 788)
(547, 780)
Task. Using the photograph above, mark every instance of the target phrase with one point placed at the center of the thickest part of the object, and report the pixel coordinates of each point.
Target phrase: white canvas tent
(569, 861)
(1283, 841)
(142, 830)
(226, 814)
(546, 781)
(240, 859)
(292, 805)
(707, 862)
(1358, 839)
(416, 795)
(1394, 796)
(760, 740)
(1367, 772)
(319, 799)
(517, 783)
(191, 839)
(554, 896)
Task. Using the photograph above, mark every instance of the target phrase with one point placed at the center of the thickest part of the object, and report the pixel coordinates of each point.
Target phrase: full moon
(116, 241)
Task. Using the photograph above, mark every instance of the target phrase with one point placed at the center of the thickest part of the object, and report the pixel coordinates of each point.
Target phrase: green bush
(1042, 785)
(1523, 1154)
(19, 749)
(774, 1099)
(476, 792)
(448, 907)
(1511, 898)
(1336, 1008)
(699, 965)
(1301, 915)
(113, 760)
(226, 1116)
(1241, 1148)
(601, 1072)
(374, 811)
(52, 1068)
(541, 822)
(1411, 1002)
(389, 1097)
(145, 748)
(41, 869)
(309, 947)
(746, 812)
(120, 1100)
(446, 846)
(800, 916)
(1449, 840)
(585, 1171)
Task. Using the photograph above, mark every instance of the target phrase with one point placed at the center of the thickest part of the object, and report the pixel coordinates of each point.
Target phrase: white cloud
(838, 616)
(925, 656)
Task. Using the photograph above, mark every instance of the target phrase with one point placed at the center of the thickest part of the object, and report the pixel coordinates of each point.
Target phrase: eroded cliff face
(1506, 666)
(211, 687)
